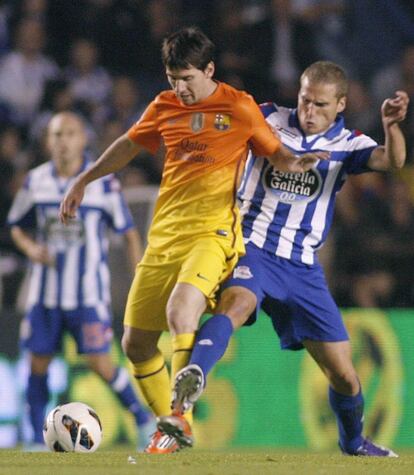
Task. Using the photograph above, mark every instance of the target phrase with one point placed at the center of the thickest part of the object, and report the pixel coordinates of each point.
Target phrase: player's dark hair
(187, 47)
(328, 73)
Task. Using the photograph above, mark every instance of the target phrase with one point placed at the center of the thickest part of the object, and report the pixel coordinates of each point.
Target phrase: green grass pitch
(194, 462)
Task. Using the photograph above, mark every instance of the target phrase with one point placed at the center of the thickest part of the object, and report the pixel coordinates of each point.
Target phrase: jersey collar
(61, 184)
(83, 166)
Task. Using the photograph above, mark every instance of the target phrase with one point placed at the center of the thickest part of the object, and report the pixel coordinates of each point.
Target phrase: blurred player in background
(70, 282)
(195, 236)
(286, 218)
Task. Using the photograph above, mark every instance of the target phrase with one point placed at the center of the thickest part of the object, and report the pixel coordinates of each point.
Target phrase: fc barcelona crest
(197, 121)
(222, 122)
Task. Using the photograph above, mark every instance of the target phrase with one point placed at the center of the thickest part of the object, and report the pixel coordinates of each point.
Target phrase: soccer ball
(72, 427)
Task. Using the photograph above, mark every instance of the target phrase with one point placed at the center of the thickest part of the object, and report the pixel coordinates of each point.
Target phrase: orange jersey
(206, 146)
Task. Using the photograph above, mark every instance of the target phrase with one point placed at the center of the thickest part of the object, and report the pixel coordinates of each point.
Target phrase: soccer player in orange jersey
(195, 237)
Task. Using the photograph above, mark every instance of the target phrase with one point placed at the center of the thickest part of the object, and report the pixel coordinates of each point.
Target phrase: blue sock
(211, 342)
(349, 413)
(122, 387)
(37, 396)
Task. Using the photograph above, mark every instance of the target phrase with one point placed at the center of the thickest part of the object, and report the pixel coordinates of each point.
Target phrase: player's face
(318, 106)
(66, 140)
(191, 85)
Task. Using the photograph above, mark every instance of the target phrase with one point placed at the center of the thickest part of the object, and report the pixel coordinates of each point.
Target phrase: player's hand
(71, 202)
(303, 163)
(394, 110)
(286, 161)
(39, 253)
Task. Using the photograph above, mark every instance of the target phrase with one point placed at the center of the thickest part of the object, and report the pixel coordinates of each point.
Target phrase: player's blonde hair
(329, 73)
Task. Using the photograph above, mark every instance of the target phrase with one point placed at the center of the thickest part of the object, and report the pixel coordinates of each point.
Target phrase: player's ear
(341, 104)
(209, 70)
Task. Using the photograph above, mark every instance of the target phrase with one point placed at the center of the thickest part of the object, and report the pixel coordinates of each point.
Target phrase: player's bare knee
(131, 349)
(39, 364)
(177, 324)
(139, 345)
(181, 319)
(101, 365)
(238, 304)
(184, 308)
(124, 343)
(174, 318)
(345, 382)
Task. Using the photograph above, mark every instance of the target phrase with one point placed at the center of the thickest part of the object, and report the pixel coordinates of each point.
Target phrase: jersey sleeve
(118, 212)
(22, 212)
(263, 140)
(357, 161)
(145, 131)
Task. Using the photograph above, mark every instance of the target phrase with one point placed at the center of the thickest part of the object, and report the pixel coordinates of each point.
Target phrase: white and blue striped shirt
(80, 274)
(290, 214)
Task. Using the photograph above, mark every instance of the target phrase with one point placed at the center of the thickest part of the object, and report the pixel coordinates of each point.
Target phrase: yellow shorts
(205, 265)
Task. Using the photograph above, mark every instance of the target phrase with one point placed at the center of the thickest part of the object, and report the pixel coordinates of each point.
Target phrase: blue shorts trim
(43, 328)
(294, 295)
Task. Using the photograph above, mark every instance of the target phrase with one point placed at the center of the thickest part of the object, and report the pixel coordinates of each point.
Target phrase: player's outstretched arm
(115, 157)
(393, 153)
(286, 161)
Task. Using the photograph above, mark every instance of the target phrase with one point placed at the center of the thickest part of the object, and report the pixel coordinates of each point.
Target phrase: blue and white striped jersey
(290, 214)
(80, 275)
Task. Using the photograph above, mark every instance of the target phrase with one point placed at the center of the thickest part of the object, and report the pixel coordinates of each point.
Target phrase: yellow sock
(154, 382)
(182, 346)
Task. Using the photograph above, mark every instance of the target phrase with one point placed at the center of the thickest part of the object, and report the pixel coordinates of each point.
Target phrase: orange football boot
(177, 427)
(162, 443)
